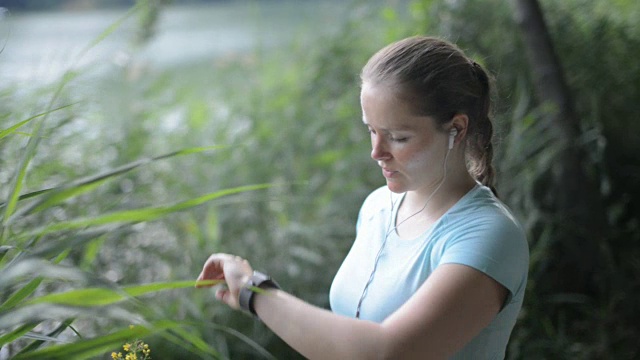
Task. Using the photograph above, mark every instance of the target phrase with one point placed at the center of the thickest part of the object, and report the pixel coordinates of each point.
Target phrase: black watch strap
(248, 291)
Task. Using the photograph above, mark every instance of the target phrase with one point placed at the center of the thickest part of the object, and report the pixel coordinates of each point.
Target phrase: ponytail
(480, 151)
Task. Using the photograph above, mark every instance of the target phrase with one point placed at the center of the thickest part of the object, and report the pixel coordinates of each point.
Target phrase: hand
(233, 269)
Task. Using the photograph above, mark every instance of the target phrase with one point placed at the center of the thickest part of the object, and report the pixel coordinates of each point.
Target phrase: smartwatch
(247, 292)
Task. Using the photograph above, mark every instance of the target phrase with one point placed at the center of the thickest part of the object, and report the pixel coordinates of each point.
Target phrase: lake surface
(39, 47)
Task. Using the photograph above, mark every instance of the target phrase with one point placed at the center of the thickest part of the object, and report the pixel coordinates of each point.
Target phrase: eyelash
(398, 140)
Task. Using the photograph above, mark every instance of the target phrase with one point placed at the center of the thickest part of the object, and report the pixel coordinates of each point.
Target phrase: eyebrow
(401, 127)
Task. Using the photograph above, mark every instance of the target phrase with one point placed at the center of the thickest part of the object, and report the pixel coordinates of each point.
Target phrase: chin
(396, 188)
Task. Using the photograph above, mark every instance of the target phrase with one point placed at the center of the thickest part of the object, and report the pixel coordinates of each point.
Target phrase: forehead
(383, 108)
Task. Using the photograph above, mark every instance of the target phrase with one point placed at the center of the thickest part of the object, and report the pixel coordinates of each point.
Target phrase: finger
(225, 296)
(220, 294)
(213, 268)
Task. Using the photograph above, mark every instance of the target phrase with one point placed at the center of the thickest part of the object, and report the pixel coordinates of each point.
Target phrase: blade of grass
(32, 268)
(102, 296)
(83, 185)
(81, 297)
(21, 294)
(180, 336)
(28, 289)
(76, 241)
(10, 130)
(4, 249)
(86, 349)
(242, 337)
(108, 31)
(42, 338)
(36, 344)
(18, 179)
(37, 313)
(35, 138)
(140, 215)
(91, 251)
(138, 290)
(16, 334)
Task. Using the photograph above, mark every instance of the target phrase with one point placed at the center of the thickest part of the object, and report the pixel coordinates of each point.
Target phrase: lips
(388, 173)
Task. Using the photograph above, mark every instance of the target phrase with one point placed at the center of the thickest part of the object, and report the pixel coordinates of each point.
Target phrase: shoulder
(481, 210)
(484, 219)
(483, 233)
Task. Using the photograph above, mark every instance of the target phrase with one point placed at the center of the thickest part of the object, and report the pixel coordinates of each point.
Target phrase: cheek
(420, 160)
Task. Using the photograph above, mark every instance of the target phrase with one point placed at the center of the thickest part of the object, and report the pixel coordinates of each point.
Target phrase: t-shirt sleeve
(496, 246)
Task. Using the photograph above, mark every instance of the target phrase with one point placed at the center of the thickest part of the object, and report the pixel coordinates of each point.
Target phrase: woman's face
(408, 147)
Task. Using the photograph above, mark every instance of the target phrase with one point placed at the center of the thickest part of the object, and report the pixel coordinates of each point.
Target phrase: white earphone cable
(391, 229)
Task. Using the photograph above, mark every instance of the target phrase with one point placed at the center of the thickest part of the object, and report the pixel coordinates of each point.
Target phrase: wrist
(254, 285)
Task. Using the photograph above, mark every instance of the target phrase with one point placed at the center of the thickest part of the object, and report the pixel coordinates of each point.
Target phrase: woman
(439, 265)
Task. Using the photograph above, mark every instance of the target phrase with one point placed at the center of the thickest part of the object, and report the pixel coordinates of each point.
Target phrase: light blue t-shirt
(478, 231)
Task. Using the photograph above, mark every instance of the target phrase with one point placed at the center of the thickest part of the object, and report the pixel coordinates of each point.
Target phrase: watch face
(246, 293)
(259, 278)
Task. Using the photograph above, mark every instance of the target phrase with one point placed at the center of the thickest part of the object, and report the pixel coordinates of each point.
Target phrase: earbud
(452, 136)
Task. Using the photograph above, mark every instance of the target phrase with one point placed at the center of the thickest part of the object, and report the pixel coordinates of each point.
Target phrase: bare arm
(447, 311)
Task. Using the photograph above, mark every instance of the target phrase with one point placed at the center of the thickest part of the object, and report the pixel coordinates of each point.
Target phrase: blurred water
(41, 46)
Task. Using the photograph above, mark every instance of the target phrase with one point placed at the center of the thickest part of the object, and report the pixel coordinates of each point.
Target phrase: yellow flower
(146, 346)
(114, 356)
(126, 347)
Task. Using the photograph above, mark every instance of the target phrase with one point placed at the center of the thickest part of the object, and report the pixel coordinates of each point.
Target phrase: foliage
(290, 116)
(55, 224)
(594, 41)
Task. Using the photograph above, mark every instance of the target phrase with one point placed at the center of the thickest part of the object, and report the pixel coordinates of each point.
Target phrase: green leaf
(140, 215)
(37, 313)
(16, 334)
(18, 179)
(102, 296)
(8, 131)
(138, 290)
(32, 268)
(4, 249)
(82, 297)
(50, 337)
(40, 337)
(92, 347)
(109, 30)
(21, 294)
(59, 196)
(183, 337)
(47, 249)
(83, 185)
(247, 340)
(91, 252)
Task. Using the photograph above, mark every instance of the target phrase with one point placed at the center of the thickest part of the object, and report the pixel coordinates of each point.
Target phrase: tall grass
(290, 117)
(593, 39)
(52, 234)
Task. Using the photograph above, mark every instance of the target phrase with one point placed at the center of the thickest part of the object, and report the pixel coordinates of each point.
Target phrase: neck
(436, 199)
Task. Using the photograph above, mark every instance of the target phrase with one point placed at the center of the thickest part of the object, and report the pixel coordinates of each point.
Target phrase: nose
(379, 149)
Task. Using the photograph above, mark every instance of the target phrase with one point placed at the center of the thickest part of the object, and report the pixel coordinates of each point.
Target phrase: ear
(460, 122)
